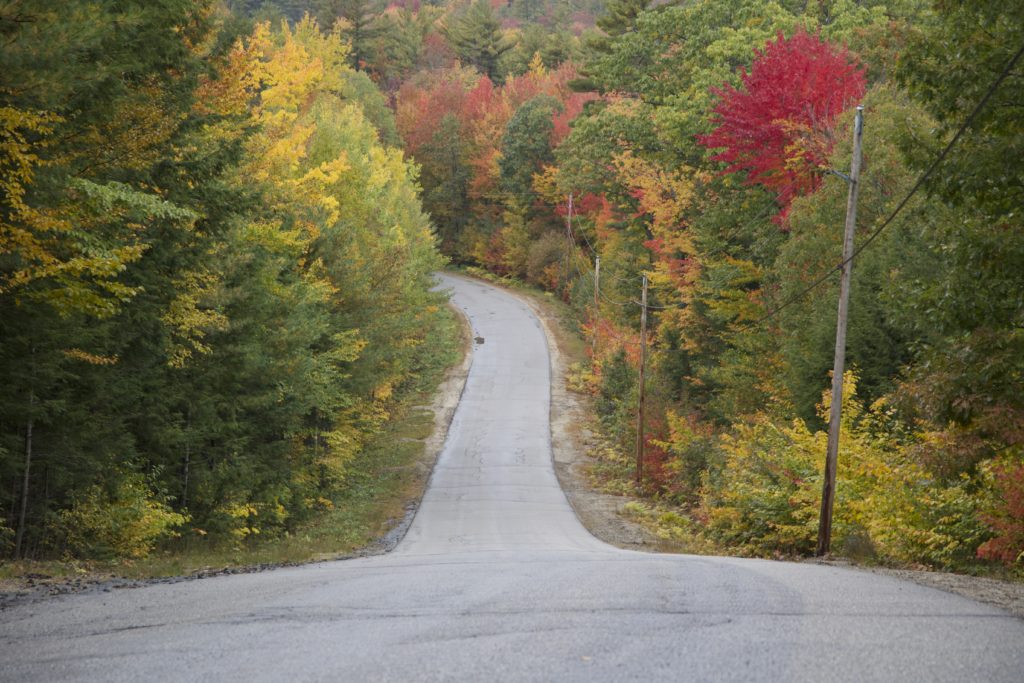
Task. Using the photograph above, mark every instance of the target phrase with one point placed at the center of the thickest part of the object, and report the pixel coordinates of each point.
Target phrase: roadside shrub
(542, 253)
(766, 497)
(616, 399)
(1003, 512)
(764, 500)
(123, 522)
(692, 448)
(912, 519)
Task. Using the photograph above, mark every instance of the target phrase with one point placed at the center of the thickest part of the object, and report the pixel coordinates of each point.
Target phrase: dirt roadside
(1005, 595)
(572, 442)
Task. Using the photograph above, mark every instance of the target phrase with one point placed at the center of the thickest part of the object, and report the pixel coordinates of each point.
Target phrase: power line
(892, 216)
(899, 207)
(968, 122)
(574, 258)
(604, 297)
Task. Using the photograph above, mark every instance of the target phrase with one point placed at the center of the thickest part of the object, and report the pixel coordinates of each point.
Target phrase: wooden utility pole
(572, 247)
(835, 416)
(597, 304)
(640, 403)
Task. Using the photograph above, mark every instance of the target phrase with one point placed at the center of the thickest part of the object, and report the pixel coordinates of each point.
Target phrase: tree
(60, 121)
(882, 325)
(777, 126)
(396, 49)
(526, 147)
(357, 22)
(620, 16)
(433, 120)
(476, 36)
(445, 175)
(277, 295)
(964, 378)
(986, 166)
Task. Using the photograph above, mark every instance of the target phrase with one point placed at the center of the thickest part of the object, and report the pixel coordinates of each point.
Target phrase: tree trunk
(25, 480)
(188, 456)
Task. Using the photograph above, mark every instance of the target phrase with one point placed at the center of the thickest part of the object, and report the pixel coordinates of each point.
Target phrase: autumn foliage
(1005, 515)
(228, 253)
(778, 125)
(200, 215)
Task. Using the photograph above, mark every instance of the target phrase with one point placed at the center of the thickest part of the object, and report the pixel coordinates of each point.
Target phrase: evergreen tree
(970, 309)
(214, 276)
(620, 16)
(526, 147)
(475, 35)
(445, 174)
(359, 25)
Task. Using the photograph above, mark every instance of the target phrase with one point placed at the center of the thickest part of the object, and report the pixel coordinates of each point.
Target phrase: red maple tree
(777, 126)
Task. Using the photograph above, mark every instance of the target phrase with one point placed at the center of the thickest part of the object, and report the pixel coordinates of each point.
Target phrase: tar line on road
(497, 580)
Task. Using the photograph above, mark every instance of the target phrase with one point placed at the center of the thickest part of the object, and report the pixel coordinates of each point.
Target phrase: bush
(691, 449)
(616, 399)
(766, 497)
(1003, 512)
(911, 518)
(542, 253)
(125, 522)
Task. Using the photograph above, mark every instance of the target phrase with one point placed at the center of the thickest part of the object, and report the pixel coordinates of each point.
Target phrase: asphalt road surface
(497, 580)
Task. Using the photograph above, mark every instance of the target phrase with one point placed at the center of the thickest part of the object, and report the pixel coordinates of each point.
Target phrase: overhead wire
(601, 295)
(906, 199)
(579, 272)
(620, 279)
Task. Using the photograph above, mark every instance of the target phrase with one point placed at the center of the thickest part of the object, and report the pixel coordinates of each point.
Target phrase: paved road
(497, 580)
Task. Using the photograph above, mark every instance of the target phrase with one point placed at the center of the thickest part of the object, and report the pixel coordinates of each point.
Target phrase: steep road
(496, 580)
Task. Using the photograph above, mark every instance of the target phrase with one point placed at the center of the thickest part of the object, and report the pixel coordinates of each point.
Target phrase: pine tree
(359, 25)
(476, 36)
(620, 16)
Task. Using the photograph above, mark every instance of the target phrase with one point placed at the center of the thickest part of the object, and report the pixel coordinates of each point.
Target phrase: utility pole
(829, 487)
(597, 304)
(572, 246)
(640, 403)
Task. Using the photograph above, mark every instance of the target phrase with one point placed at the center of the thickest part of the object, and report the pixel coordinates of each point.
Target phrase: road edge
(572, 441)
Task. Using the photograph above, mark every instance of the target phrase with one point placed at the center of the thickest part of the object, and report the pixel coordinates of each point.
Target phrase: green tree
(445, 173)
(526, 147)
(880, 337)
(358, 25)
(972, 303)
(476, 36)
(620, 16)
(231, 368)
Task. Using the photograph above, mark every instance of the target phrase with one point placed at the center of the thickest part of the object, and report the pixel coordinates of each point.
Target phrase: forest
(215, 274)
(219, 221)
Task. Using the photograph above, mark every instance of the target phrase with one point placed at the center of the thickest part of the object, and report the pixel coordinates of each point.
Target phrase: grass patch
(676, 531)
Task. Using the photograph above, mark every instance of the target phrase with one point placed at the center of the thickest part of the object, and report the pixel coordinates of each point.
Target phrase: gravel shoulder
(1006, 595)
